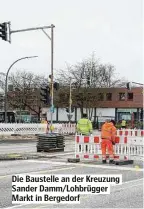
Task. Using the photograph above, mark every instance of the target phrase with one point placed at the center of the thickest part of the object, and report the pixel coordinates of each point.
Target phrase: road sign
(52, 109)
(69, 116)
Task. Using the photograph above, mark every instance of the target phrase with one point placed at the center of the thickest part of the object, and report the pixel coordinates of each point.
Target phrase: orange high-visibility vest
(108, 131)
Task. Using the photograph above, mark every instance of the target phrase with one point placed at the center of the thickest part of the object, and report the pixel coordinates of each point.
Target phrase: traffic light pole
(52, 52)
(129, 84)
(8, 26)
(138, 83)
(52, 76)
(30, 29)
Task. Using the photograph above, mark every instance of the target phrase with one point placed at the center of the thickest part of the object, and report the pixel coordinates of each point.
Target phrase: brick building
(118, 103)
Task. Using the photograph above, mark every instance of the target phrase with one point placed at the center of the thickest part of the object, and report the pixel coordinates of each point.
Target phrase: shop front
(127, 114)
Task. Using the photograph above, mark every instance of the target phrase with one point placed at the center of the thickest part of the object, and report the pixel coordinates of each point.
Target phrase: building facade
(115, 103)
(118, 103)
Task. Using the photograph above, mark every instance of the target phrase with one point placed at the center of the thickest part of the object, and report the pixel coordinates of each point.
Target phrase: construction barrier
(69, 128)
(34, 128)
(130, 132)
(89, 148)
(63, 128)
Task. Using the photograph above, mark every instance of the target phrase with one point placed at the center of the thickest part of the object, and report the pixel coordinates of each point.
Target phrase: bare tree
(26, 91)
(87, 75)
(2, 87)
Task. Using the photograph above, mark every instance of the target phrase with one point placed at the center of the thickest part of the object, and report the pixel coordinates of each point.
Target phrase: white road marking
(49, 155)
(62, 154)
(39, 172)
(111, 167)
(126, 182)
(48, 161)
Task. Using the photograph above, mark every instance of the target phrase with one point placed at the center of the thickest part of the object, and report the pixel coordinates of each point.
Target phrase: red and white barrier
(68, 128)
(129, 132)
(89, 148)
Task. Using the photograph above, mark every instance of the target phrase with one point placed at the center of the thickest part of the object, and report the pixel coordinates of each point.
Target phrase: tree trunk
(81, 109)
(39, 111)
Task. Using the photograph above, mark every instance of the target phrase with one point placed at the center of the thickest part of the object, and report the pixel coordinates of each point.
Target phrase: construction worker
(84, 125)
(123, 124)
(45, 128)
(108, 133)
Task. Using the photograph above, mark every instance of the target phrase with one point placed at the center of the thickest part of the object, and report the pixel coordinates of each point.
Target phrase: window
(121, 96)
(100, 97)
(109, 96)
(130, 96)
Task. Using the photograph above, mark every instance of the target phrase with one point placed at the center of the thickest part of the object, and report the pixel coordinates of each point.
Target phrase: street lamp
(7, 81)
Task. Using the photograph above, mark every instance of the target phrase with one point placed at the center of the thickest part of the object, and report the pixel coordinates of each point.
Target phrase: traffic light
(128, 85)
(45, 94)
(88, 80)
(56, 86)
(3, 31)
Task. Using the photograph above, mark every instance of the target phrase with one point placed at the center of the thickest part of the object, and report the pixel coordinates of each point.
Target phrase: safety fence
(130, 132)
(34, 128)
(64, 128)
(125, 148)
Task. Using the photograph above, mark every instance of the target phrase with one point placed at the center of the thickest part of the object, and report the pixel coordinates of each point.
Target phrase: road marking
(83, 196)
(111, 167)
(69, 153)
(48, 161)
(39, 172)
(49, 155)
(126, 182)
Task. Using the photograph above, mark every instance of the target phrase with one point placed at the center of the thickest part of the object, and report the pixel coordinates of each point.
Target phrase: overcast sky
(112, 29)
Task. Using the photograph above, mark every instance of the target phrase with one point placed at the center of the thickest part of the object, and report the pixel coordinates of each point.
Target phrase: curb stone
(5, 158)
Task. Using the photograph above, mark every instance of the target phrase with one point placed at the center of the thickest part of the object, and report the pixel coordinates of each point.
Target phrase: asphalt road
(127, 195)
(26, 146)
(11, 147)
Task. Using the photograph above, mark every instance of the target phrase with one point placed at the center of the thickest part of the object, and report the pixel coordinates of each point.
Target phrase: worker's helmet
(84, 115)
(113, 121)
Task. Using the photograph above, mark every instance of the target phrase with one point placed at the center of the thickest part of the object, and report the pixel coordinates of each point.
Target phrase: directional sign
(69, 116)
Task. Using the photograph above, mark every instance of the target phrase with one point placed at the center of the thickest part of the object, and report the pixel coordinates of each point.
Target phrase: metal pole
(52, 50)
(30, 29)
(138, 83)
(70, 101)
(5, 106)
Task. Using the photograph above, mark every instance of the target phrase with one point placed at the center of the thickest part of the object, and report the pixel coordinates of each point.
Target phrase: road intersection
(127, 195)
